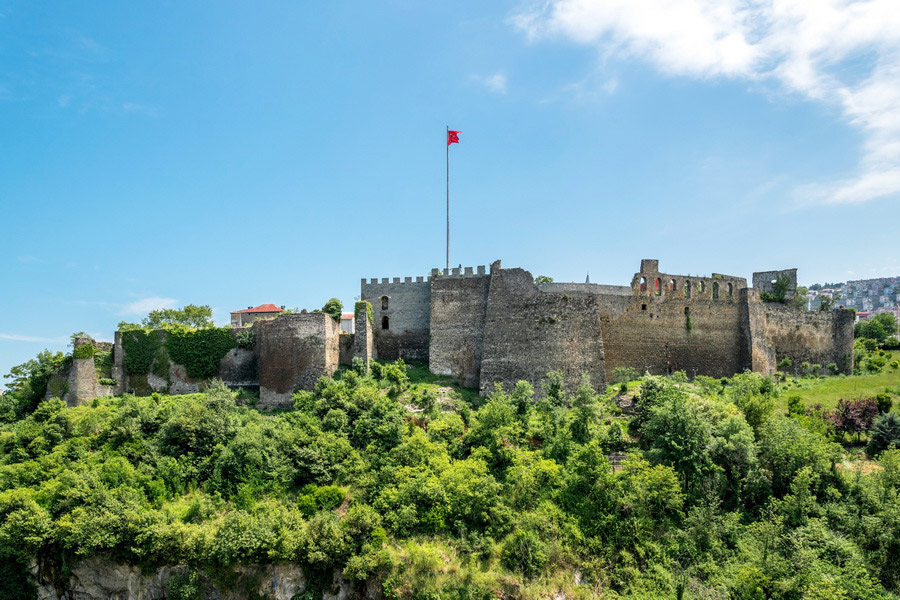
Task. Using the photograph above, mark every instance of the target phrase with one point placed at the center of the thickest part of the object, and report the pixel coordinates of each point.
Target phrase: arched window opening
(643, 284)
(672, 286)
(687, 311)
(730, 290)
(385, 323)
(687, 289)
(658, 287)
(384, 304)
(716, 290)
(701, 287)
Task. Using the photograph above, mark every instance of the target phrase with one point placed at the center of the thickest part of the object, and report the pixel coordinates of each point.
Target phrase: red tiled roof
(262, 308)
(347, 316)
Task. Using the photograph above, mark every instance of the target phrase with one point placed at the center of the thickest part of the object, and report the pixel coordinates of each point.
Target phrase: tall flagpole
(447, 141)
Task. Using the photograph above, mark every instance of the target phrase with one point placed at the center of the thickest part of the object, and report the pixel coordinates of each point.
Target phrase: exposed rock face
(100, 579)
(97, 578)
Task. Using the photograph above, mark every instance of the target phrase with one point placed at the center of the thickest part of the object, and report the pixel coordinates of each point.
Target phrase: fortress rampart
(483, 325)
(498, 325)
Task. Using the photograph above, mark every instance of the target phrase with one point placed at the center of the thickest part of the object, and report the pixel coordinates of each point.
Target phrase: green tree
(193, 316)
(586, 410)
(525, 552)
(678, 435)
(885, 434)
(879, 328)
(334, 308)
(28, 384)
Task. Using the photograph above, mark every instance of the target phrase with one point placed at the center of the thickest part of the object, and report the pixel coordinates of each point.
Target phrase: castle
(486, 325)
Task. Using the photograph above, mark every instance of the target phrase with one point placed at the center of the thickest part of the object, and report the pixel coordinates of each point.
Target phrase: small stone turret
(83, 384)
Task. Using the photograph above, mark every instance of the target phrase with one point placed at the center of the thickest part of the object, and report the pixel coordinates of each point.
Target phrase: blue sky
(233, 154)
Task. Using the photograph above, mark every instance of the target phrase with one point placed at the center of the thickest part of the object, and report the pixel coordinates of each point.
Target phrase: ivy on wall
(103, 361)
(83, 351)
(367, 306)
(140, 348)
(200, 350)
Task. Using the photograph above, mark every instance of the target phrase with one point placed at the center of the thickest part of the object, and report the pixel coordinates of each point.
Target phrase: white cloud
(30, 338)
(27, 259)
(141, 109)
(145, 305)
(814, 48)
(495, 83)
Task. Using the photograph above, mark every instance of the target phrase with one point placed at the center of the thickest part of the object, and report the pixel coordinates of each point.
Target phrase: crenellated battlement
(394, 280)
(479, 271)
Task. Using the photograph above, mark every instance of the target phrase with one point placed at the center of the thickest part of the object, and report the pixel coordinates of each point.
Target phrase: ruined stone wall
(676, 322)
(408, 309)
(458, 307)
(118, 368)
(79, 381)
(294, 351)
(757, 354)
(650, 282)
(591, 288)
(764, 281)
(345, 349)
(815, 337)
(364, 339)
(663, 334)
(528, 332)
(239, 368)
(82, 381)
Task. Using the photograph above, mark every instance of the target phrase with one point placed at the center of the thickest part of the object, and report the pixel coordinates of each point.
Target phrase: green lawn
(829, 390)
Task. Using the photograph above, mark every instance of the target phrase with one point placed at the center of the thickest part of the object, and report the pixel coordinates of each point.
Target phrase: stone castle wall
(458, 307)
(757, 353)
(666, 334)
(529, 332)
(237, 369)
(79, 382)
(764, 281)
(364, 339)
(815, 337)
(662, 323)
(294, 351)
(407, 306)
(482, 327)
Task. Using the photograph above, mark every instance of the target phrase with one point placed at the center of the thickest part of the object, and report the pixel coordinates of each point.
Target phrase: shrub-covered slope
(404, 481)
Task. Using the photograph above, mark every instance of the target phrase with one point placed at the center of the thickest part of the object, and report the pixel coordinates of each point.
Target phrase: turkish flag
(452, 137)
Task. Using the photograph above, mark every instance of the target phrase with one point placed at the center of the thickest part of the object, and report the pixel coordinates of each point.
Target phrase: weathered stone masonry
(483, 326)
(499, 326)
(402, 312)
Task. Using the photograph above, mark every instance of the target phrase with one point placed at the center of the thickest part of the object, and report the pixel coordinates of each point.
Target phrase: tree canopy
(402, 482)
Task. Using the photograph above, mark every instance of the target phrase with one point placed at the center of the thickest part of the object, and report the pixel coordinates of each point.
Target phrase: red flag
(453, 137)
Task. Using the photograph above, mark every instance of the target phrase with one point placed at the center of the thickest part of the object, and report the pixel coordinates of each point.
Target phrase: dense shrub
(334, 308)
(507, 495)
(83, 351)
(885, 433)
